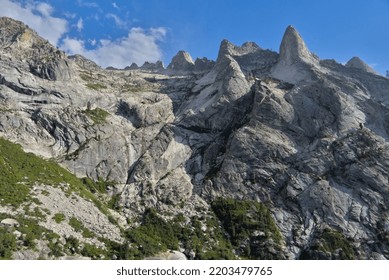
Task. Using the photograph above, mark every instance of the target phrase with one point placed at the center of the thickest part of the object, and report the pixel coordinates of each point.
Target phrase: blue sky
(123, 31)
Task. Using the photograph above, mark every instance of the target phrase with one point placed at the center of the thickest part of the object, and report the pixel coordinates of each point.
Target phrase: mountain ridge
(164, 153)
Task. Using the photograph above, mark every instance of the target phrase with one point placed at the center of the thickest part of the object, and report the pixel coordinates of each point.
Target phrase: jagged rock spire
(295, 60)
(293, 47)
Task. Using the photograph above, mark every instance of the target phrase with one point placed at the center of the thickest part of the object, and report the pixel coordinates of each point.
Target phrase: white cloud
(115, 5)
(45, 9)
(82, 3)
(80, 24)
(38, 15)
(138, 46)
(118, 21)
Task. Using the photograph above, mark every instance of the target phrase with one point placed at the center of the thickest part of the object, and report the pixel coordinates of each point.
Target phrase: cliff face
(298, 140)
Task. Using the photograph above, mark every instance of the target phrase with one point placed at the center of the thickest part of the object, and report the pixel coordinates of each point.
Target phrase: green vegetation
(329, 244)
(243, 227)
(56, 248)
(7, 244)
(79, 227)
(205, 237)
(153, 236)
(114, 201)
(59, 218)
(19, 171)
(131, 88)
(86, 76)
(98, 115)
(99, 186)
(333, 241)
(91, 81)
(93, 252)
(39, 213)
(31, 231)
(250, 227)
(95, 86)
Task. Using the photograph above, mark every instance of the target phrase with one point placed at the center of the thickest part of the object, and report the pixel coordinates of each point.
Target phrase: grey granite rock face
(43, 60)
(308, 137)
(203, 64)
(182, 61)
(295, 61)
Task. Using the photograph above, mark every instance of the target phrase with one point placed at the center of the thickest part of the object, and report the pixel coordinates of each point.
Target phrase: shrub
(58, 218)
(333, 241)
(250, 226)
(7, 244)
(98, 115)
(95, 86)
(153, 236)
(79, 227)
(93, 252)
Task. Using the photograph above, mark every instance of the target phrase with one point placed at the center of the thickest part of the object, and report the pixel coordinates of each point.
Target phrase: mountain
(356, 62)
(258, 155)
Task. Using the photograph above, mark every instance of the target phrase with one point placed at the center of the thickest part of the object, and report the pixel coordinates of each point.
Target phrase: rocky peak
(227, 48)
(20, 38)
(152, 66)
(203, 64)
(133, 66)
(293, 47)
(10, 31)
(84, 63)
(295, 60)
(249, 47)
(19, 42)
(182, 61)
(358, 63)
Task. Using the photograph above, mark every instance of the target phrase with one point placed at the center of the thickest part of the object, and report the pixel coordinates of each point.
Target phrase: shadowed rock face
(308, 138)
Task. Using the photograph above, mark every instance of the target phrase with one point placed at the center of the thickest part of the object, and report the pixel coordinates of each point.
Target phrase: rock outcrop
(43, 60)
(157, 66)
(203, 64)
(358, 63)
(182, 61)
(133, 66)
(185, 157)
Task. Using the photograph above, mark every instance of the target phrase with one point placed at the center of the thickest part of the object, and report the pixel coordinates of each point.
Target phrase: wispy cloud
(83, 3)
(138, 46)
(118, 21)
(115, 5)
(38, 15)
(80, 25)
